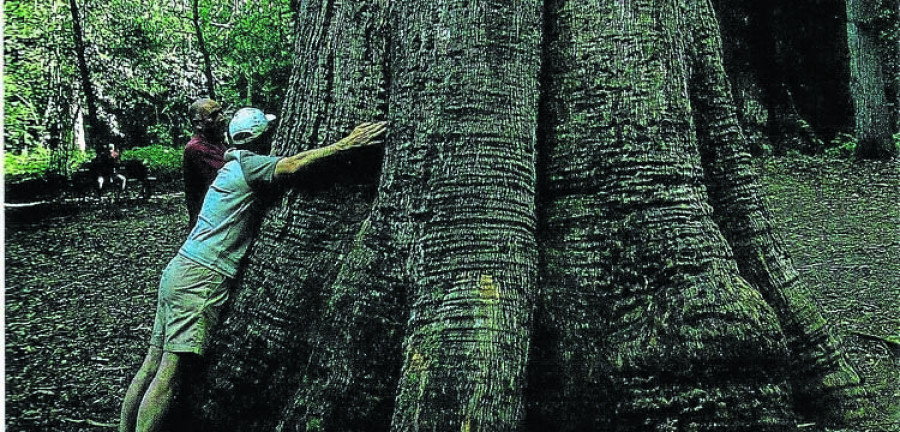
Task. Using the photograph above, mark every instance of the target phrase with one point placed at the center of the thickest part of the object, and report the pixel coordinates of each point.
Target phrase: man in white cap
(195, 285)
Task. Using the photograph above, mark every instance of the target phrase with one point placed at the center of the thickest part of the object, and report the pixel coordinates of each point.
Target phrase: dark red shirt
(202, 160)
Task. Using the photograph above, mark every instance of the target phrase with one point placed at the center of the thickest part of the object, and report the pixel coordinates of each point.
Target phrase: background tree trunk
(869, 81)
(94, 129)
(788, 66)
(204, 51)
(563, 233)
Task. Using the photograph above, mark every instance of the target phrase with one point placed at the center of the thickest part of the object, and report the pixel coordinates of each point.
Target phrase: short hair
(202, 108)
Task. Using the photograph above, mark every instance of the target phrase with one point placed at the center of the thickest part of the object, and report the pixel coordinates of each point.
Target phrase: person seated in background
(105, 168)
(196, 283)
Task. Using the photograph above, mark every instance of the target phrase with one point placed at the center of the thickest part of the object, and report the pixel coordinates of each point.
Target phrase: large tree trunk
(564, 234)
(654, 237)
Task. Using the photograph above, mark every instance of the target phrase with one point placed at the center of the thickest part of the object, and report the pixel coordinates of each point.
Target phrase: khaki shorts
(190, 299)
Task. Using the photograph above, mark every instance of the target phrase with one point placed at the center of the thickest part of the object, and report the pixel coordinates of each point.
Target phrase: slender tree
(564, 234)
(94, 130)
(204, 51)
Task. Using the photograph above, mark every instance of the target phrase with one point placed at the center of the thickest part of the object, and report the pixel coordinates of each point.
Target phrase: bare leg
(157, 401)
(138, 387)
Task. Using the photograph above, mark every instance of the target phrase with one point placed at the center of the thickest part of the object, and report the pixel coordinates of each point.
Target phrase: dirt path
(81, 284)
(841, 223)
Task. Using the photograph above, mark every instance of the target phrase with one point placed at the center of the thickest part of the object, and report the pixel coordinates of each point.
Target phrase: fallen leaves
(80, 293)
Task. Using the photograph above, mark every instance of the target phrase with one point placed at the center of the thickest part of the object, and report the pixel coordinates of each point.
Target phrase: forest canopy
(144, 67)
(810, 76)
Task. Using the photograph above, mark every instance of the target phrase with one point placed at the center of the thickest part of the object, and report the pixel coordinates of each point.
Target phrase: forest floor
(81, 284)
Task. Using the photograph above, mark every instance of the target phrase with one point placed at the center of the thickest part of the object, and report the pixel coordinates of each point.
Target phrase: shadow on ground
(81, 285)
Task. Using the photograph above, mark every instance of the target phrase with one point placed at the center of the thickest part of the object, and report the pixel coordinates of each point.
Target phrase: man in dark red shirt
(203, 155)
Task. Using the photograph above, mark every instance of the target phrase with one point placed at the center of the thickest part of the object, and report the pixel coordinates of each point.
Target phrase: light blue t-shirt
(227, 221)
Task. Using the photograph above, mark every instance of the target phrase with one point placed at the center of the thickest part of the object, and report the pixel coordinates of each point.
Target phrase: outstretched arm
(364, 135)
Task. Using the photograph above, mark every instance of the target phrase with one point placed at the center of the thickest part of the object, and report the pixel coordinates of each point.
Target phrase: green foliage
(144, 63)
(39, 162)
(26, 165)
(160, 159)
(163, 161)
(22, 128)
(160, 133)
(314, 425)
(843, 145)
(37, 81)
(811, 143)
(255, 48)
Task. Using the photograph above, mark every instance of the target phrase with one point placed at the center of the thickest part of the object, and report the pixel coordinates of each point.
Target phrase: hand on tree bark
(364, 135)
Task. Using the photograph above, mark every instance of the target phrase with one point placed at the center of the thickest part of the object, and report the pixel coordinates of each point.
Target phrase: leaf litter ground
(81, 285)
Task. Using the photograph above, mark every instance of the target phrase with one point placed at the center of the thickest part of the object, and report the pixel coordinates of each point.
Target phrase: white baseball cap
(248, 124)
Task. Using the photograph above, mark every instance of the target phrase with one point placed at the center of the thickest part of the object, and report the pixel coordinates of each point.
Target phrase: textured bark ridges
(869, 81)
(275, 318)
(643, 310)
(743, 30)
(825, 388)
(278, 324)
(408, 306)
(354, 365)
(473, 265)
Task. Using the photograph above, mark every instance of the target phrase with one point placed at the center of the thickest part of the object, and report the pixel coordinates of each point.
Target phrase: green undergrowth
(40, 162)
(162, 161)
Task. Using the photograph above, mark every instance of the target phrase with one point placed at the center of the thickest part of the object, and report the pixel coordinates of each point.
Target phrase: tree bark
(744, 48)
(204, 51)
(650, 322)
(563, 234)
(868, 83)
(94, 130)
(473, 259)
